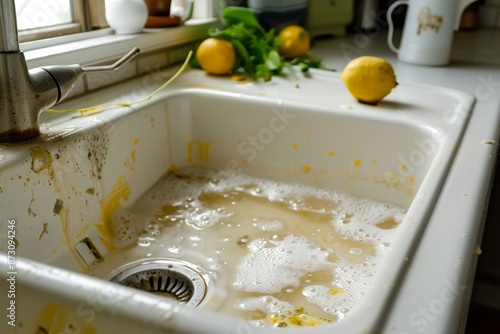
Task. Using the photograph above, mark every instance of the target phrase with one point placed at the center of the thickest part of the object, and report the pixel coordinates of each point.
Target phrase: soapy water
(292, 255)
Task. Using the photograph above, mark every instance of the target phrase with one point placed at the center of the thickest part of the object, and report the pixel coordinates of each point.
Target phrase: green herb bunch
(257, 50)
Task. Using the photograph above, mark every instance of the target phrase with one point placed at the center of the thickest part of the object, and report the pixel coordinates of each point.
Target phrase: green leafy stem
(257, 50)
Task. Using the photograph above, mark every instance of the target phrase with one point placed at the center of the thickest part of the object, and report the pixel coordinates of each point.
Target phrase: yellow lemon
(216, 56)
(295, 41)
(369, 79)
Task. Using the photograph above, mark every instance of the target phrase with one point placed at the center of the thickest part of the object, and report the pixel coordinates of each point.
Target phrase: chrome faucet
(24, 93)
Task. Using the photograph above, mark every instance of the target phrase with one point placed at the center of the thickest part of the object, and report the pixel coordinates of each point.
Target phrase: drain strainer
(170, 278)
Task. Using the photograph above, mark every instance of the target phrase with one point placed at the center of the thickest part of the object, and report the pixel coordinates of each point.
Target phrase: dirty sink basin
(76, 201)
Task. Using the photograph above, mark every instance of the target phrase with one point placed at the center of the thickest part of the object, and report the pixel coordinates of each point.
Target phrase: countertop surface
(436, 288)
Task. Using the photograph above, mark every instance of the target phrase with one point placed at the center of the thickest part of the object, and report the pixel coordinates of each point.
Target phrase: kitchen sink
(223, 206)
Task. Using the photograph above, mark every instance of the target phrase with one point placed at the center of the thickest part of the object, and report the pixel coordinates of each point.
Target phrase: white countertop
(436, 289)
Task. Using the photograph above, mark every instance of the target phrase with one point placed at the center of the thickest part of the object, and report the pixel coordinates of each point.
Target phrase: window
(32, 14)
(49, 18)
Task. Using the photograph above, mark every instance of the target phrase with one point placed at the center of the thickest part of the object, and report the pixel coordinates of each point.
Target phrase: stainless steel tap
(24, 93)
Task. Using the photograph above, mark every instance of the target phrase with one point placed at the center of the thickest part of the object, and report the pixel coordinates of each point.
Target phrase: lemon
(369, 79)
(295, 41)
(216, 56)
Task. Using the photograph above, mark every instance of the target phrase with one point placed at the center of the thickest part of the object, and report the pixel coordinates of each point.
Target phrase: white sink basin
(60, 191)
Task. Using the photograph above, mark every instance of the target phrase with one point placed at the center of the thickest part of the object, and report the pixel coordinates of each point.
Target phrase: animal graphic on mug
(427, 20)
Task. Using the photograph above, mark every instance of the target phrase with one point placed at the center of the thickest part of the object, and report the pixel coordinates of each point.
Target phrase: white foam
(266, 304)
(274, 265)
(268, 225)
(125, 226)
(338, 302)
(202, 219)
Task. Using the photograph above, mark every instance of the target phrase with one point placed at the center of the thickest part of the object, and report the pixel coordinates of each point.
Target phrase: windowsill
(108, 46)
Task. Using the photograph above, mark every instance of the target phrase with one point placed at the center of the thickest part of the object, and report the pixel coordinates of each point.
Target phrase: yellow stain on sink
(201, 148)
(392, 180)
(306, 169)
(52, 319)
(40, 159)
(331, 153)
(83, 231)
(357, 162)
(130, 162)
(112, 201)
(173, 169)
(55, 318)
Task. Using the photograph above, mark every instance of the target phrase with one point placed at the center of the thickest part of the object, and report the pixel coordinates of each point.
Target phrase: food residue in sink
(40, 159)
(291, 255)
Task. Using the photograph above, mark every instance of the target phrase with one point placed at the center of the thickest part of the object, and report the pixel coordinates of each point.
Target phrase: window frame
(87, 15)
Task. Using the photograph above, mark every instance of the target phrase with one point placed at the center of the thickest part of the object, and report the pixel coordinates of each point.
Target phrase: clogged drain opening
(171, 279)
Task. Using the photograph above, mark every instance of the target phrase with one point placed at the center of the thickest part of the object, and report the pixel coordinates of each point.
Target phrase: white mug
(428, 30)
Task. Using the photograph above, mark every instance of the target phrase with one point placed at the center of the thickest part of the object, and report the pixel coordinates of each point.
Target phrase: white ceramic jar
(126, 16)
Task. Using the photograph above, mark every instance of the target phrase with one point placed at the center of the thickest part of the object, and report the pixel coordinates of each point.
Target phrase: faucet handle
(119, 63)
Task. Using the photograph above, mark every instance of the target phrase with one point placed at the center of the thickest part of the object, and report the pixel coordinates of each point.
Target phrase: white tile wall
(179, 54)
(151, 62)
(97, 80)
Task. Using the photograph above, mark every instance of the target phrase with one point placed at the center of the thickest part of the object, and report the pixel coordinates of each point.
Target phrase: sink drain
(170, 278)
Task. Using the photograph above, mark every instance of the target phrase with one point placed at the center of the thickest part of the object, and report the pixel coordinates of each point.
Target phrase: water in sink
(286, 254)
